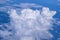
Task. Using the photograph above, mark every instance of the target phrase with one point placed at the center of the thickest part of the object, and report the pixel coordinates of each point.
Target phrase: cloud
(27, 5)
(32, 23)
(3, 1)
(46, 12)
(57, 21)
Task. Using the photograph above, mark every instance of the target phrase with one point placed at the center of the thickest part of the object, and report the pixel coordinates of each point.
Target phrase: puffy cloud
(31, 13)
(47, 13)
(32, 23)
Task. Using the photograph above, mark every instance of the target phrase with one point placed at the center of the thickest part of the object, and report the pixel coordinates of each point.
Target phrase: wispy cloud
(3, 1)
(27, 5)
(33, 23)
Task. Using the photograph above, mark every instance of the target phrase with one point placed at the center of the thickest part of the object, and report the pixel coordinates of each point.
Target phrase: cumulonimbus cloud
(31, 24)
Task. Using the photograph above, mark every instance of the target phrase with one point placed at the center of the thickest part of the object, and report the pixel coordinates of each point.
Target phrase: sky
(37, 15)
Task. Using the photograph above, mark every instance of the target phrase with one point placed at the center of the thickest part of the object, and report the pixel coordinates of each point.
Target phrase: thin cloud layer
(3, 1)
(27, 5)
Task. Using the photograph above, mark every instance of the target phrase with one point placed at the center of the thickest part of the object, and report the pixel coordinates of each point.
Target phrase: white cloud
(32, 23)
(47, 13)
(27, 5)
(31, 13)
